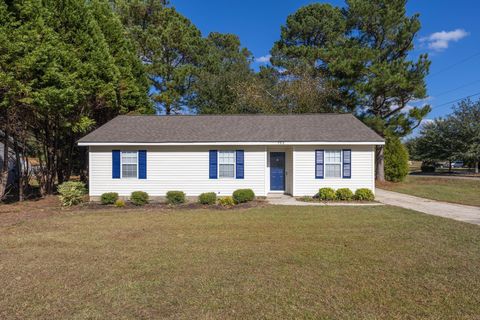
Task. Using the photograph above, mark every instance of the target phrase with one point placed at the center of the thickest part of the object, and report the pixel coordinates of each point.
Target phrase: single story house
(291, 154)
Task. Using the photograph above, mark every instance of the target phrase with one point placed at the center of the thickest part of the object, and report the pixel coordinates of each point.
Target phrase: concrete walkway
(458, 212)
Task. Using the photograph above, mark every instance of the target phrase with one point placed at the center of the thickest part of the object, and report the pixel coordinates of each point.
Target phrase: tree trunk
(83, 155)
(19, 170)
(4, 172)
(450, 166)
(476, 166)
(379, 164)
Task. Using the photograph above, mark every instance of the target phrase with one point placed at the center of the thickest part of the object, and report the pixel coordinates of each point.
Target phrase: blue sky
(450, 34)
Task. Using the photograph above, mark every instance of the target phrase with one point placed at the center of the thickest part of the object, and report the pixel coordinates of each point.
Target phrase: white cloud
(428, 98)
(439, 41)
(426, 121)
(263, 59)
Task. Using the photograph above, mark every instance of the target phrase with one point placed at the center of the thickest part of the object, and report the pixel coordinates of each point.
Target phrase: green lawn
(271, 262)
(444, 189)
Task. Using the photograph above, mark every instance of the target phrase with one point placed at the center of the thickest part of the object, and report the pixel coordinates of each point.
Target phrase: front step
(277, 195)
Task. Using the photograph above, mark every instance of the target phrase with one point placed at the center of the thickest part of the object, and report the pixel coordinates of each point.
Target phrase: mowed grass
(270, 263)
(453, 190)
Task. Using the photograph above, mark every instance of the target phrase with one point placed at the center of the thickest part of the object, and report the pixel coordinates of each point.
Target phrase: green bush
(175, 197)
(326, 194)
(119, 203)
(139, 198)
(364, 194)
(243, 195)
(109, 198)
(306, 199)
(207, 198)
(71, 193)
(344, 194)
(226, 201)
(396, 160)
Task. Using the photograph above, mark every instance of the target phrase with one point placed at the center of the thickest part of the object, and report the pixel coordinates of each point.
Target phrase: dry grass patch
(453, 190)
(271, 262)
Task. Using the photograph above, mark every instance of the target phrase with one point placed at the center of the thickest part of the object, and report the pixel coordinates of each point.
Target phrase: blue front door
(277, 171)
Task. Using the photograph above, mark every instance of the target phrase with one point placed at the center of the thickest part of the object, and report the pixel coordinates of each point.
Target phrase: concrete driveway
(458, 212)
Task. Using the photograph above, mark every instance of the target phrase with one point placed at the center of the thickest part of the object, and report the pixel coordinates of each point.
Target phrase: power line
(455, 64)
(456, 100)
(458, 88)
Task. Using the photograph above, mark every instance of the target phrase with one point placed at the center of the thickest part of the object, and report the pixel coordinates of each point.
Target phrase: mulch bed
(19, 212)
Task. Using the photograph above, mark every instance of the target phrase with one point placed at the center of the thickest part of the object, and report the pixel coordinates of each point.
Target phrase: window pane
(333, 156)
(333, 170)
(226, 164)
(129, 170)
(129, 164)
(227, 170)
(226, 157)
(129, 157)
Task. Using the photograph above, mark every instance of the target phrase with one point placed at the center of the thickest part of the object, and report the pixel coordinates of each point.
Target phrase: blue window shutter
(319, 154)
(347, 163)
(240, 164)
(142, 164)
(115, 164)
(213, 164)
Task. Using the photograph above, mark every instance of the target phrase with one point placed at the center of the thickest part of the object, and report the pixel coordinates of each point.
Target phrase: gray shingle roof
(233, 128)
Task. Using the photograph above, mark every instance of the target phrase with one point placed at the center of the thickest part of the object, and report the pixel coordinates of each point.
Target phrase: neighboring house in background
(292, 154)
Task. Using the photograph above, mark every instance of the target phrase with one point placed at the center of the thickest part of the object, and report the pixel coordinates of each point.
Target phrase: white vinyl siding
(304, 177)
(184, 168)
(226, 164)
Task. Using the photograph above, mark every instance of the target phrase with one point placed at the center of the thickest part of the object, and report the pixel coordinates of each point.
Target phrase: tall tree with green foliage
(362, 50)
(72, 75)
(133, 86)
(438, 141)
(388, 80)
(170, 47)
(222, 67)
(466, 120)
(306, 49)
(396, 159)
(455, 137)
(270, 92)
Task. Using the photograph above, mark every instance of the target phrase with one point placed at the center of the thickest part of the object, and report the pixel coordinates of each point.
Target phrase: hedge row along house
(290, 154)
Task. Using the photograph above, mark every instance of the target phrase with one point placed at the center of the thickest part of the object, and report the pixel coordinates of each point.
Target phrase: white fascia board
(269, 143)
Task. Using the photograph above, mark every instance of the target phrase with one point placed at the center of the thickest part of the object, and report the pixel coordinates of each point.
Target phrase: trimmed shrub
(175, 197)
(139, 198)
(306, 199)
(109, 198)
(71, 193)
(428, 166)
(207, 198)
(243, 195)
(120, 203)
(344, 194)
(226, 201)
(326, 194)
(364, 194)
(396, 160)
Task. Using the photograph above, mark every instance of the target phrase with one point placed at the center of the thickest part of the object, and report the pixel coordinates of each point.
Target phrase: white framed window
(333, 163)
(129, 160)
(226, 164)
